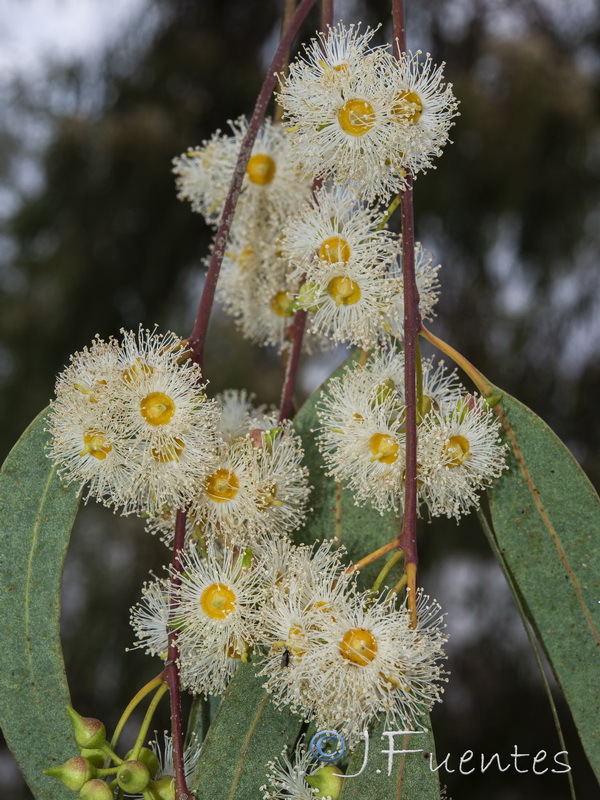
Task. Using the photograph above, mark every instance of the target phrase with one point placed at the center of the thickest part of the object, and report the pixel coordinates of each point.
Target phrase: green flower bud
(96, 790)
(94, 756)
(385, 390)
(271, 435)
(164, 787)
(307, 297)
(247, 558)
(74, 773)
(147, 757)
(89, 732)
(133, 776)
(328, 782)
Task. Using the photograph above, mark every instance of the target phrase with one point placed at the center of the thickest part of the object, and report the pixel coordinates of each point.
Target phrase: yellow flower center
(222, 486)
(325, 609)
(157, 408)
(261, 169)
(168, 452)
(331, 73)
(238, 650)
(218, 601)
(344, 291)
(356, 117)
(334, 249)
(408, 107)
(246, 258)
(267, 497)
(456, 451)
(358, 646)
(295, 640)
(91, 393)
(137, 371)
(384, 448)
(95, 444)
(280, 304)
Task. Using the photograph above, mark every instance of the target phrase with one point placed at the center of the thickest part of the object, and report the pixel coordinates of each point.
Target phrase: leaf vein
(29, 576)
(246, 745)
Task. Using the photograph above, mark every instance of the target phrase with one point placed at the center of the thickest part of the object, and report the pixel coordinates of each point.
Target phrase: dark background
(512, 213)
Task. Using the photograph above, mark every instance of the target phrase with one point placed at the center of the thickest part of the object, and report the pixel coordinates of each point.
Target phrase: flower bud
(133, 776)
(327, 781)
(385, 390)
(96, 790)
(307, 297)
(89, 732)
(164, 787)
(147, 757)
(74, 773)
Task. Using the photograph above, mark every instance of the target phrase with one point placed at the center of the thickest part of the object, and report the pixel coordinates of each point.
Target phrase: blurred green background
(92, 238)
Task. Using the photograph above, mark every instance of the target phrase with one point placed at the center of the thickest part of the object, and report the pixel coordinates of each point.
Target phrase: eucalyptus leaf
(247, 731)
(546, 519)
(37, 514)
(393, 765)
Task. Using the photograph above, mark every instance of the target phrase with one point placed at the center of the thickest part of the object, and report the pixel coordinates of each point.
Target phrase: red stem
(412, 326)
(291, 370)
(407, 540)
(198, 336)
(172, 668)
(326, 14)
(399, 26)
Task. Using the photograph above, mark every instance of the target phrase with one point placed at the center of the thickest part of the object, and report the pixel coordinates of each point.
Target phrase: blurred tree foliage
(512, 214)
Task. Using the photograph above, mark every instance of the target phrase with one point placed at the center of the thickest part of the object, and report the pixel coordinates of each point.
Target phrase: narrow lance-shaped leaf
(395, 765)
(37, 514)
(546, 518)
(247, 731)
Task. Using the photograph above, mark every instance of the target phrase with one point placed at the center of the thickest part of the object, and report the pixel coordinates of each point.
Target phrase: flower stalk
(134, 702)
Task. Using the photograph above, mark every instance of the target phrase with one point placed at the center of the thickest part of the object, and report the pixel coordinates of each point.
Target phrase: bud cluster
(97, 772)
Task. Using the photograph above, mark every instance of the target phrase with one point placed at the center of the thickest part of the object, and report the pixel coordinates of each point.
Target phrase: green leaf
(247, 731)
(388, 773)
(37, 514)
(546, 518)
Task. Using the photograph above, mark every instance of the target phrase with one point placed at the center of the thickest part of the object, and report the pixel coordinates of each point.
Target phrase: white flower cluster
(131, 420)
(254, 286)
(362, 437)
(359, 115)
(331, 653)
(355, 119)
